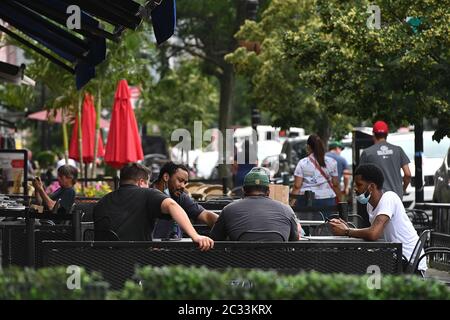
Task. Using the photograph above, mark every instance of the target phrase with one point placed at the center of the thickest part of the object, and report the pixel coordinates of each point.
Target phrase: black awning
(80, 50)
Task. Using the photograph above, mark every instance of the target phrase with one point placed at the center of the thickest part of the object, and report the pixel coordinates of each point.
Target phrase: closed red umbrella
(88, 133)
(124, 143)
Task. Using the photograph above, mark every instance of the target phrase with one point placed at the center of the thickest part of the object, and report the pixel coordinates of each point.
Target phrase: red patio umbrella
(88, 133)
(45, 115)
(124, 143)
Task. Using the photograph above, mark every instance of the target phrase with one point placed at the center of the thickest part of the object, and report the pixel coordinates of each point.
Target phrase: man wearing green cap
(256, 212)
(334, 151)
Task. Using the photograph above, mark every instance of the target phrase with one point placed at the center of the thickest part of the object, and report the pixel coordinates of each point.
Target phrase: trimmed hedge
(201, 283)
(49, 284)
(178, 282)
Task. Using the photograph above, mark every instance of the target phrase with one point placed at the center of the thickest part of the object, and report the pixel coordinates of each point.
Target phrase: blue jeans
(317, 203)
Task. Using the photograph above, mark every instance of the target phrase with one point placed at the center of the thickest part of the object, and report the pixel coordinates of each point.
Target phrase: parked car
(442, 181)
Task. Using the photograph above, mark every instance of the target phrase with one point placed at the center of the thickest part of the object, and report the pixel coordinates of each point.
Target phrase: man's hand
(204, 243)
(338, 227)
(37, 184)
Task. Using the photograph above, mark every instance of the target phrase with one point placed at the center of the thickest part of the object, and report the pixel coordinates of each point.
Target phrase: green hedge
(49, 284)
(202, 283)
(174, 283)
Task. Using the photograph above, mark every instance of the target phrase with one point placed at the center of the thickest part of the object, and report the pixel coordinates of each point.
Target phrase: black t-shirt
(130, 211)
(165, 226)
(67, 196)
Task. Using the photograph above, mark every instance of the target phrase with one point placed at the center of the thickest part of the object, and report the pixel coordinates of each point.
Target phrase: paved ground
(439, 275)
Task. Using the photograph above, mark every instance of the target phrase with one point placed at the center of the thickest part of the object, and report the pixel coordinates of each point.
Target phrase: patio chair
(410, 266)
(419, 219)
(256, 235)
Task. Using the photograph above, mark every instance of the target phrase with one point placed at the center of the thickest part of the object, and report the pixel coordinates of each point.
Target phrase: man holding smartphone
(65, 195)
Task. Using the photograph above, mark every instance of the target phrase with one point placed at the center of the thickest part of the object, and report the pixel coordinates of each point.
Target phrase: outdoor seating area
(161, 149)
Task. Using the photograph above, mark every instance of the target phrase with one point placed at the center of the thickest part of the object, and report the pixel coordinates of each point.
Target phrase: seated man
(67, 177)
(386, 213)
(256, 212)
(131, 210)
(172, 180)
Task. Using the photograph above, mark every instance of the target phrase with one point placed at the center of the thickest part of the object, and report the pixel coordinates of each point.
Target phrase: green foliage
(179, 282)
(46, 158)
(49, 284)
(319, 58)
(183, 96)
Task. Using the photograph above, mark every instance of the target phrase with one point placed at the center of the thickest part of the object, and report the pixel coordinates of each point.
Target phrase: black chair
(356, 219)
(419, 219)
(410, 266)
(310, 215)
(255, 235)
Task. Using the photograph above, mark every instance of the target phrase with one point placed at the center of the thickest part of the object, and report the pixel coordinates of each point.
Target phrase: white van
(432, 157)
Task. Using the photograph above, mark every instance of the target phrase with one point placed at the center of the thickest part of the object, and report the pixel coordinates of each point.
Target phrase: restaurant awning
(79, 51)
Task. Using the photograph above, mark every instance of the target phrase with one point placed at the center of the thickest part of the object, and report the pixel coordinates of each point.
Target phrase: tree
(396, 73)
(278, 88)
(324, 51)
(181, 97)
(205, 29)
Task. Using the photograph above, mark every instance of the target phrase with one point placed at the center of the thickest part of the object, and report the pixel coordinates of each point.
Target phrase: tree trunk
(97, 131)
(225, 109)
(323, 128)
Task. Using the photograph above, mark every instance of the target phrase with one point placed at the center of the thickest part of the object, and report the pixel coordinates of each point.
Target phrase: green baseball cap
(335, 144)
(257, 177)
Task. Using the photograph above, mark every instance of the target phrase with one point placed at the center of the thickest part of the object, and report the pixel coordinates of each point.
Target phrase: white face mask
(362, 198)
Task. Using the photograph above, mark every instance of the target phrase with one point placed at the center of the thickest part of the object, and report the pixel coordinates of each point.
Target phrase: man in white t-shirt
(387, 214)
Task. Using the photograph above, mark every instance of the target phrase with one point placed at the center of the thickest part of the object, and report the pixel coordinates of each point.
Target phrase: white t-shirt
(312, 178)
(399, 228)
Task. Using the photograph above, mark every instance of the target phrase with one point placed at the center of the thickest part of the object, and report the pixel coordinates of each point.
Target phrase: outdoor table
(30, 216)
(311, 223)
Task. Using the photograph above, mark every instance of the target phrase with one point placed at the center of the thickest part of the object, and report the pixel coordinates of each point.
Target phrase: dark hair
(134, 171)
(380, 135)
(371, 173)
(251, 189)
(316, 145)
(170, 168)
(69, 172)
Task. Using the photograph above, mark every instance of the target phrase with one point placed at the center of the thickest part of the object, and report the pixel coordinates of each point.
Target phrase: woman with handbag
(316, 173)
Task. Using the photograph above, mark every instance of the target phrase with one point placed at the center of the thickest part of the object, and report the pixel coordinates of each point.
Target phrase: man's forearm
(182, 219)
(366, 234)
(406, 182)
(46, 199)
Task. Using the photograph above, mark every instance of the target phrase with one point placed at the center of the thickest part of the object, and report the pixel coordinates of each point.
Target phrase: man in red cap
(390, 158)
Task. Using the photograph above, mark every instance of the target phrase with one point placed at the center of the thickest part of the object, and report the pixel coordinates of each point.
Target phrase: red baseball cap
(380, 127)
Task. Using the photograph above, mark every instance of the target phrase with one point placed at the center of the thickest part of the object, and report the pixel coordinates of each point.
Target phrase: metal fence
(117, 260)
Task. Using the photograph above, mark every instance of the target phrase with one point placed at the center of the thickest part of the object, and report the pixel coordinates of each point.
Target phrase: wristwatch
(347, 232)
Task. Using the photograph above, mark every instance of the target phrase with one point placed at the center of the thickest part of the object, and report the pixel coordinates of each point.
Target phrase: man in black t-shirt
(67, 177)
(172, 180)
(131, 210)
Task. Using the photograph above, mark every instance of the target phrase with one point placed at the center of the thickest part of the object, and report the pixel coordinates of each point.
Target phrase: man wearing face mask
(387, 214)
(171, 180)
